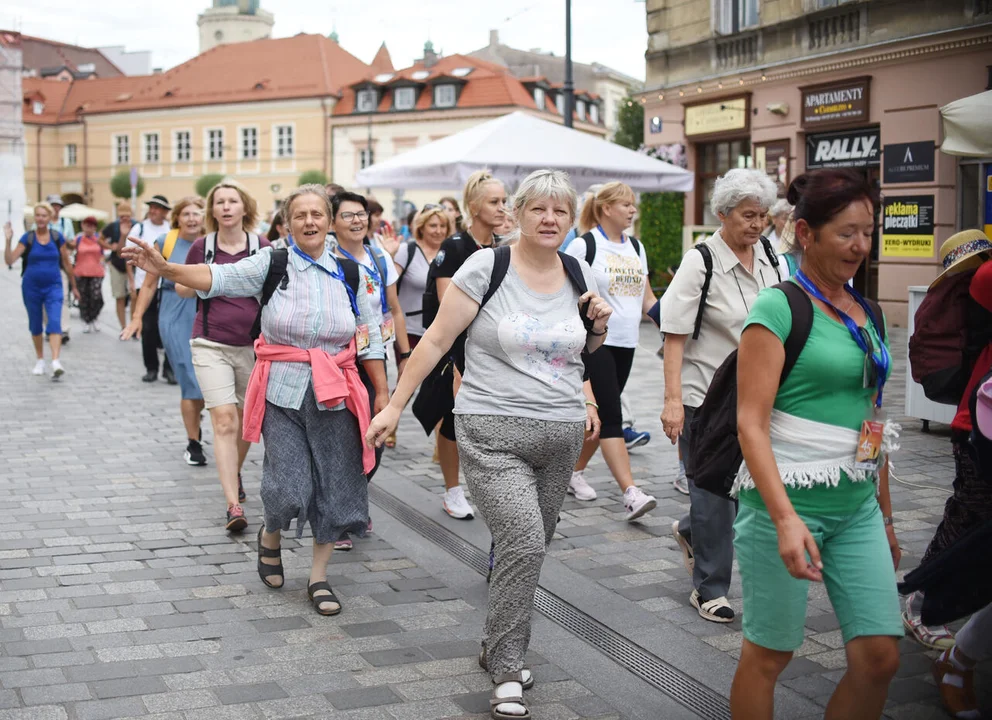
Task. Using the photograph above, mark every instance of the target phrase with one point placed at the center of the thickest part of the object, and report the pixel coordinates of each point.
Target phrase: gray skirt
(313, 472)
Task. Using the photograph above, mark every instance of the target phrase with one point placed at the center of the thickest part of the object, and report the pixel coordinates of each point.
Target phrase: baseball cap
(55, 200)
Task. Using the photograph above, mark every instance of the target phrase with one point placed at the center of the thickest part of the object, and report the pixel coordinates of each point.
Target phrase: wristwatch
(887, 520)
(405, 355)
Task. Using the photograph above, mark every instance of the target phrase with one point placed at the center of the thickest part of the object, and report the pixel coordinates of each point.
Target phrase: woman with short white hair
(522, 409)
(701, 330)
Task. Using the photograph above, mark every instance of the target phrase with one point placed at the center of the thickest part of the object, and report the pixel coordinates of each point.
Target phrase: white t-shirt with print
(148, 232)
(620, 275)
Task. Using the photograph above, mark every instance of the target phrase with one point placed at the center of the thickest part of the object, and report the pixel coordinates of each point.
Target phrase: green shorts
(857, 571)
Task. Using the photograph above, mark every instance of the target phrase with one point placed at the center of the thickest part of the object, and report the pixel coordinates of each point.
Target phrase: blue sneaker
(634, 439)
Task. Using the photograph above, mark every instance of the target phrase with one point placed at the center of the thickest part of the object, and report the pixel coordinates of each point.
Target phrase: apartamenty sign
(845, 148)
(908, 162)
(839, 103)
(907, 226)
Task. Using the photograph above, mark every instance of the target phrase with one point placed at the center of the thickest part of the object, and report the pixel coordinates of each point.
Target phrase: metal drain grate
(645, 665)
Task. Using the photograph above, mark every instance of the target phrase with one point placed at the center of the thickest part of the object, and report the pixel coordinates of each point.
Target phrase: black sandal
(527, 683)
(321, 599)
(264, 569)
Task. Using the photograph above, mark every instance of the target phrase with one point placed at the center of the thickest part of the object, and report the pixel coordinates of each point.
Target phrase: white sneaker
(39, 368)
(456, 505)
(637, 503)
(57, 370)
(578, 487)
(94, 327)
(681, 482)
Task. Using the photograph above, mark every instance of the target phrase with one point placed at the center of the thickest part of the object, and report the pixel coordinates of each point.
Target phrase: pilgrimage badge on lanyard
(874, 374)
(361, 330)
(387, 329)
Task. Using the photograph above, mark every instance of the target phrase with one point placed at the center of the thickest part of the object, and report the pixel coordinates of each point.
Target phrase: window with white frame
(444, 95)
(285, 143)
(70, 155)
(365, 158)
(733, 16)
(215, 144)
(183, 144)
(580, 109)
(150, 148)
(404, 98)
(249, 143)
(539, 98)
(122, 150)
(594, 113)
(367, 100)
(560, 103)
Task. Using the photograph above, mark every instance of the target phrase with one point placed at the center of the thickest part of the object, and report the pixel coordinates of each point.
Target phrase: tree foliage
(120, 185)
(630, 124)
(313, 177)
(206, 183)
(661, 233)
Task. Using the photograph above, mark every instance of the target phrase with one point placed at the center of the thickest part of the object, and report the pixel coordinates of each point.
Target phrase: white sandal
(711, 609)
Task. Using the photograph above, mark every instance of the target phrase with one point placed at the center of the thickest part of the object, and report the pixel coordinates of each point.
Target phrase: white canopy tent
(968, 126)
(512, 147)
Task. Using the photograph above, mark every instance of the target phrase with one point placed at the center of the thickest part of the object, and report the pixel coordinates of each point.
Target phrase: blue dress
(175, 325)
(41, 286)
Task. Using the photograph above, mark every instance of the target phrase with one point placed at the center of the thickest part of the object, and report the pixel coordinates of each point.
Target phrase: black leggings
(151, 341)
(608, 369)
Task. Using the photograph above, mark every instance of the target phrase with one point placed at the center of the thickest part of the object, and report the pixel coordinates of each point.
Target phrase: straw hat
(963, 251)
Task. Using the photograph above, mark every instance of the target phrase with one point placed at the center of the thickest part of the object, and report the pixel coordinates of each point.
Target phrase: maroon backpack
(951, 331)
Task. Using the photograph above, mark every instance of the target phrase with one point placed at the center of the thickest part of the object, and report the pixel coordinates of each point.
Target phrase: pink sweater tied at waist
(335, 379)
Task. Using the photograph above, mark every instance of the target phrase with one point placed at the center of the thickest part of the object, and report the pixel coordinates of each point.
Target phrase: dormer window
(367, 100)
(539, 98)
(404, 98)
(594, 114)
(444, 96)
(560, 103)
(38, 107)
(580, 109)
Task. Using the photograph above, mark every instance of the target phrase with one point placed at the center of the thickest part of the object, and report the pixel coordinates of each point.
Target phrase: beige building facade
(802, 84)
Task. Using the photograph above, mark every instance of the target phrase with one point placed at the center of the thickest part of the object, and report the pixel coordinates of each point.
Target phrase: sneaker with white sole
(681, 482)
(578, 487)
(39, 368)
(637, 503)
(687, 557)
(633, 438)
(87, 328)
(456, 505)
(57, 370)
(717, 610)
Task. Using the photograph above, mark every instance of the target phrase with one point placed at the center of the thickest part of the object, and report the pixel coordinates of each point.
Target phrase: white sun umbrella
(513, 146)
(968, 126)
(79, 212)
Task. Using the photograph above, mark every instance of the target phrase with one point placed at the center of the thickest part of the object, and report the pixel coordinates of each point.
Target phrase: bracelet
(590, 402)
(887, 520)
(593, 332)
(405, 355)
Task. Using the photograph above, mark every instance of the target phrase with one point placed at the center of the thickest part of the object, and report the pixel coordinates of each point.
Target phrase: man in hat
(155, 225)
(971, 503)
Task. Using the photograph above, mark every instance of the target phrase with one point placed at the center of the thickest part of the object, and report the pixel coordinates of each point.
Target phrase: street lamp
(569, 84)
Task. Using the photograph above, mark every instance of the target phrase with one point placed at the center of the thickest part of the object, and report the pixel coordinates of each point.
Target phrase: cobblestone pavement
(121, 596)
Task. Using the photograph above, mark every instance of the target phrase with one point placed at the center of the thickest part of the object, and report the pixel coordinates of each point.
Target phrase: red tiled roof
(382, 62)
(50, 93)
(303, 66)
(40, 53)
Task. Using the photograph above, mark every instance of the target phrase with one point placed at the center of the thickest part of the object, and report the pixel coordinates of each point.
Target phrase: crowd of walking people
(517, 318)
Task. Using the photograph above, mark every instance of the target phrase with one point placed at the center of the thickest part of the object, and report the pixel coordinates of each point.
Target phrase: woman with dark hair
(278, 233)
(813, 488)
(454, 213)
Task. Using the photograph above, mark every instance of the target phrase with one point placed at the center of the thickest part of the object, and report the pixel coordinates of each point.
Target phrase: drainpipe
(325, 120)
(86, 162)
(38, 154)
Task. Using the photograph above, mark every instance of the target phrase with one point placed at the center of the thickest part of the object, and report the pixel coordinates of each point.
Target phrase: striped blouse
(312, 310)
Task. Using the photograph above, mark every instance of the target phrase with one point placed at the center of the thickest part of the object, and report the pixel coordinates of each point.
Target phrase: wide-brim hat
(55, 200)
(160, 200)
(963, 251)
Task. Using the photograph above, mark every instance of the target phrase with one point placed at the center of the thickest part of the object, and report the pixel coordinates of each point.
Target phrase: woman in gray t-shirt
(522, 410)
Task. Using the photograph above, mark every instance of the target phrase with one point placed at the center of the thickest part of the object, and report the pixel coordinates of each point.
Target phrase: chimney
(494, 38)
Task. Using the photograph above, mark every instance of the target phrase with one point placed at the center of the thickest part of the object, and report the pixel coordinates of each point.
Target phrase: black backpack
(590, 241)
(463, 244)
(277, 277)
(707, 254)
(209, 253)
(714, 450)
(435, 399)
(412, 248)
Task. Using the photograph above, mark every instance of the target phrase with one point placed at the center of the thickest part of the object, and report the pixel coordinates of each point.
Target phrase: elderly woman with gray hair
(523, 408)
(703, 313)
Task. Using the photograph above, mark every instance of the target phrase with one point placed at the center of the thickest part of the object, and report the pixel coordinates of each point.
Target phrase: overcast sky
(611, 32)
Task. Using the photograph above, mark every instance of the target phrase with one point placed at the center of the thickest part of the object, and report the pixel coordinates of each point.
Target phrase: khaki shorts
(118, 282)
(222, 371)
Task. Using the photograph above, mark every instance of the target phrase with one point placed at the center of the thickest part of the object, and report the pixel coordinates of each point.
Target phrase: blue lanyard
(339, 275)
(374, 272)
(623, 236)
(882, 359)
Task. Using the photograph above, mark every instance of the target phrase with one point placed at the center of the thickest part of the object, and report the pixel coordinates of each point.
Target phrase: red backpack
(951, 331)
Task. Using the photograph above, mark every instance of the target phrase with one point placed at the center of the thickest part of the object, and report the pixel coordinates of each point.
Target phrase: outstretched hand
(142, 255)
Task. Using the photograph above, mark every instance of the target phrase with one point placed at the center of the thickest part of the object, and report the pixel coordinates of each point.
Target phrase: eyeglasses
(349, 216)
(432, 206)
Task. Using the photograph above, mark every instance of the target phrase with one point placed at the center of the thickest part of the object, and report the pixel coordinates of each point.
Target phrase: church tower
(231, 21)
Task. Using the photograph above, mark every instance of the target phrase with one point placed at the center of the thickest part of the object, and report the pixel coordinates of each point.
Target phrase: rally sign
(907, 226)
(848, 148)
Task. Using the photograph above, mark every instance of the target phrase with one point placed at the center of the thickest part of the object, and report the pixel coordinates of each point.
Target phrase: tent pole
(569, 84)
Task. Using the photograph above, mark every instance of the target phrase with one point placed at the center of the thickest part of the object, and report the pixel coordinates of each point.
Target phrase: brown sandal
(495, 701)
(527, 683)
(321, 599)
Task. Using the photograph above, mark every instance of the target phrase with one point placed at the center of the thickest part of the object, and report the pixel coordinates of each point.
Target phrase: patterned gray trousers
(517, 470)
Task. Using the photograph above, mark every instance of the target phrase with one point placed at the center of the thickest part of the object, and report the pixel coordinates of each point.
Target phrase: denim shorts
(857, 571)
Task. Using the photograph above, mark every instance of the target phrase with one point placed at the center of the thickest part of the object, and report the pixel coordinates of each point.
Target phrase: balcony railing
(837, 30)
(737, 51)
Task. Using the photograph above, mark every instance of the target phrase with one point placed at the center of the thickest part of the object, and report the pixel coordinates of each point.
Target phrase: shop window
(712, 161)
(974, 184)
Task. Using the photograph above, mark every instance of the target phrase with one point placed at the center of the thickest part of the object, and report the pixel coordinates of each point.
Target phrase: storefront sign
(838, 103)
(907, 226)
(847, 148)
(718, 117)
(908, 162)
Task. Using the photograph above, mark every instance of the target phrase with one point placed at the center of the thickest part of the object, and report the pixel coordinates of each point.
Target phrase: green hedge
(661, 231)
